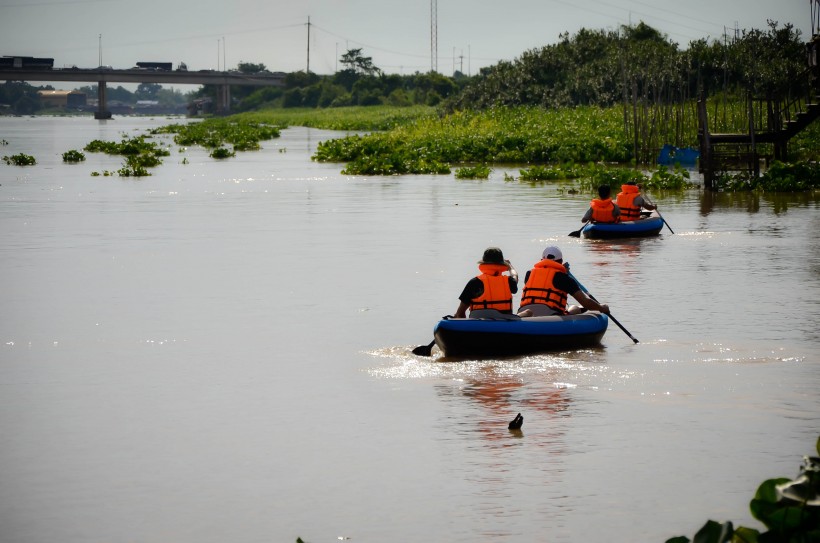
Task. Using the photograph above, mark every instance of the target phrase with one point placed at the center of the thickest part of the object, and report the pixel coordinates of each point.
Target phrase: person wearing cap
(631, 202)
(547, 285)
(602, 209)
(490, 294)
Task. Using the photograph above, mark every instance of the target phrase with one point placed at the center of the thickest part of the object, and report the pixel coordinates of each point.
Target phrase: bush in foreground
(790, 510)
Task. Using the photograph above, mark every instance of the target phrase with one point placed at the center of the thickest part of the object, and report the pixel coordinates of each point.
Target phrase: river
(221, 352)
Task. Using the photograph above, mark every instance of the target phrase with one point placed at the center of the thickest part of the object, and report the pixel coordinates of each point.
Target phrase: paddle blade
(576, 234)
(424, 350)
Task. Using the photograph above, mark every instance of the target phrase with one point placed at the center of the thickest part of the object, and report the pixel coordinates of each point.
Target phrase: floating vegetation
(359, 118)
(222, 152)
(20, 159)
(593, 175)
(473, 172)
(139, 154)
(104, 173)
(780, 177)
(501, 135)
(551, 173)
(243, 134)
(135, 166)
(73, 156)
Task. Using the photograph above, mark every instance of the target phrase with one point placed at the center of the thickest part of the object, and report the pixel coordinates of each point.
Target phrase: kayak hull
(487, 338)
(650, 226)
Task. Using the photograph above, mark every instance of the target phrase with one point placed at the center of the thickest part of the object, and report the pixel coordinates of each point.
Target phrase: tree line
(635, 66)
(21, 98)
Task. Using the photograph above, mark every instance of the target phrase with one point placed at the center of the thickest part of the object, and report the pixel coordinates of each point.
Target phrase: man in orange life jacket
(602, 209)
(546, 287)
(630, 202)
(489, 295)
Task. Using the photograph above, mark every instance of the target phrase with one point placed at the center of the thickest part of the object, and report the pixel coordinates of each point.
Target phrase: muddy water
(220, 352)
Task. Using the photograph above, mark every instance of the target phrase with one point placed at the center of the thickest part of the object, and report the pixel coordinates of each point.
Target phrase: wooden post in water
(705, 145)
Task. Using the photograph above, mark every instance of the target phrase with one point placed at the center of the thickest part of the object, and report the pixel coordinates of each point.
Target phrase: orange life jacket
(626, 201)
(602, 210)
(540, 288)
(497, 293)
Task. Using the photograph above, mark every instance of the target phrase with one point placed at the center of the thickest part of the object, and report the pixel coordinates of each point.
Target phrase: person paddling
(490, 294)
(547, 285)
(630, 201)
(602, 209)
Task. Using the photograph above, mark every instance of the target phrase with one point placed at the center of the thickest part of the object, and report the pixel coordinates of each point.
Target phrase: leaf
(713, 532)
(745, 535)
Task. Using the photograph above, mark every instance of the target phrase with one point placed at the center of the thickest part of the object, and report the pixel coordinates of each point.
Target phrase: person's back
(631, 202)
(541, 295)
(489, 294)
(547, 286)
(602, 209)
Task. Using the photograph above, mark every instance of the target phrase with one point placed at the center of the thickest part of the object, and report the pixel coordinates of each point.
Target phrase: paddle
(577, 233)
(424, 350)
(610, 316)
(659, 213)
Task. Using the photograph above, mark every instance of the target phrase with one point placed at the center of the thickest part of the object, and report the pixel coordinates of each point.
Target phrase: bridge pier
(223, 99)
(102, 110)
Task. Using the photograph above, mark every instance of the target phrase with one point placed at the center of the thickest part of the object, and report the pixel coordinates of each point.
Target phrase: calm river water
(220, 353)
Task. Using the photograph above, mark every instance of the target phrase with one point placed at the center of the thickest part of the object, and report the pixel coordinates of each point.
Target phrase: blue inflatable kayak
(649, 226)
(484, 338)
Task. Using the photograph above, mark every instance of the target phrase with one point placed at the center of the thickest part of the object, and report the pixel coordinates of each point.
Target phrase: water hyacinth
(499, 135)
(244, 134)
(73, 156)
(20, 159)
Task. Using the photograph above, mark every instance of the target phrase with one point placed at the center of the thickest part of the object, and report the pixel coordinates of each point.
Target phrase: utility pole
(308, 46)
(224, 66)
(433, 35)
(100, 64)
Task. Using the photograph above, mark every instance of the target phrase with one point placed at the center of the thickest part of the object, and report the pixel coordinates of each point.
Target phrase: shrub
(790, 509)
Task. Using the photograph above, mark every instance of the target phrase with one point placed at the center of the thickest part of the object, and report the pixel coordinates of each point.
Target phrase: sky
(396, 34)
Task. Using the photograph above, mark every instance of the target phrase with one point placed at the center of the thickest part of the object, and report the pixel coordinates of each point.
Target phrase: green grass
(358, 118)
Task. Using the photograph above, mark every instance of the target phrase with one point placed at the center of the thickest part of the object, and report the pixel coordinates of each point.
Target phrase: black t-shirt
(475, 288)
(561, 281)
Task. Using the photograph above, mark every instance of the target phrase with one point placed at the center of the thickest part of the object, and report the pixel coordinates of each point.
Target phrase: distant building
(62, 98)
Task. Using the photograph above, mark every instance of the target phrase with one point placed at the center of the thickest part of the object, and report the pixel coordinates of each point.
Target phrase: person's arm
(589, 303)
(461, 312)
(472, 290)
(640, 202)
(587, 216)
(569, 284)
(513, 273)
(616, 211)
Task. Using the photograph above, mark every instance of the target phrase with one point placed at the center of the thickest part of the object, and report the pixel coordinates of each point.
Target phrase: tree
(250, 68)
(358, 63)
(147, 91)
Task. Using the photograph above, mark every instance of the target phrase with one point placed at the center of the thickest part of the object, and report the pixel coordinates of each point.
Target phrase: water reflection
(753, 202)
(622, 255)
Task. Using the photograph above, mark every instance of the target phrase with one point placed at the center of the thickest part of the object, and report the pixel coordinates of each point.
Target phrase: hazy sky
(214, 34)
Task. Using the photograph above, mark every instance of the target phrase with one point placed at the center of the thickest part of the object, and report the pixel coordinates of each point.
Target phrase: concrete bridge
(103, 76)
